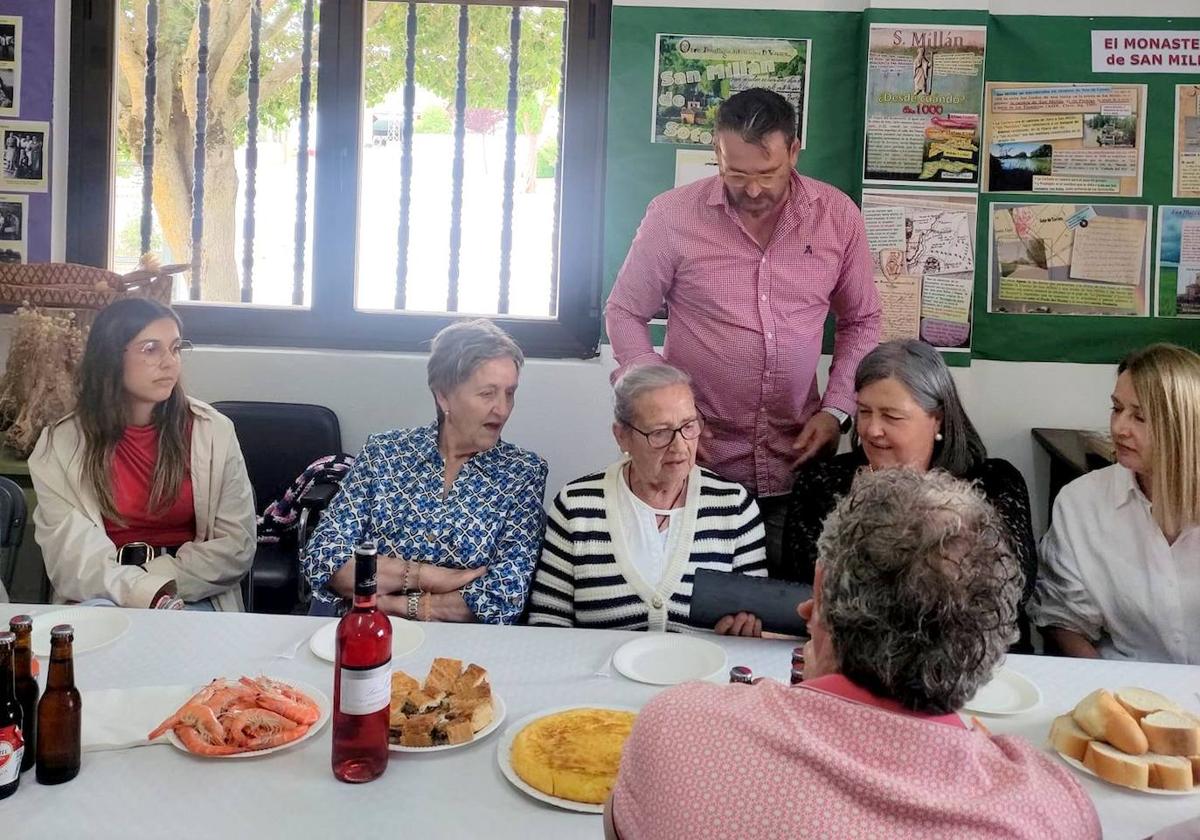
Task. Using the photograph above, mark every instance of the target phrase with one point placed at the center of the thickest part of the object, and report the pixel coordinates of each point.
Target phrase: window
(359, 174)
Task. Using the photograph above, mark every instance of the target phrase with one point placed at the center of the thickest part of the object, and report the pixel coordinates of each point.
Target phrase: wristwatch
(842, 417)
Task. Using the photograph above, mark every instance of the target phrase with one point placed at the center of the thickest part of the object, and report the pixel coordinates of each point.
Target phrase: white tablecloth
(158, 791)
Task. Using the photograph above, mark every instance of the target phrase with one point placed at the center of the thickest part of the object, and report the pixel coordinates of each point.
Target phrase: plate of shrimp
(249, 716)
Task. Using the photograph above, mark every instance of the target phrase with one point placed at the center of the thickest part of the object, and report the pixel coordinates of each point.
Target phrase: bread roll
(1140, 702)
(1068, 738)
(1112, 765)
(1169, 772)
(1101, 716)
(1172, 733)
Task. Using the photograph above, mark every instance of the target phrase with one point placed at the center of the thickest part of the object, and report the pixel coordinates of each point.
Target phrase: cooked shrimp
(259, 729)
(285, 700)
(196, 717)
(197, 743)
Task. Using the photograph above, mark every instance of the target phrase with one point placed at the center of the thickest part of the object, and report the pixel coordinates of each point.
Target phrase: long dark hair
(100, 406)
(921, 370)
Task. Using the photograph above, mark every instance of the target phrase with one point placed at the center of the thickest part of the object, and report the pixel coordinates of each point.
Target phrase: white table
(155, 790)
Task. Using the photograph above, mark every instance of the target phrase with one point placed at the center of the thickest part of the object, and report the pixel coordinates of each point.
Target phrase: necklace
(659, 519)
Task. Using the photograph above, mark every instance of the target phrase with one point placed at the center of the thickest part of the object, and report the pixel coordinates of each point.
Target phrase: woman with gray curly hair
(915, 602)
(456, 512)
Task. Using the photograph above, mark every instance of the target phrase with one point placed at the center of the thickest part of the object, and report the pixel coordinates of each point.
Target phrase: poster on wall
(1178, 280)
(1069, 259)
(923, 246)
(1187, 142)
(26, 148)
(13, 235)
(10, 66)
(1072, 139)
(694, 74)
(924, 105)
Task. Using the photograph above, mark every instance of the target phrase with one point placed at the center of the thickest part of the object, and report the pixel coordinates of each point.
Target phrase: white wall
(564, 408)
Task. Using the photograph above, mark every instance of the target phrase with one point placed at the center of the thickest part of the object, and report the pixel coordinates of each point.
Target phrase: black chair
(12, 529)
(278, 441)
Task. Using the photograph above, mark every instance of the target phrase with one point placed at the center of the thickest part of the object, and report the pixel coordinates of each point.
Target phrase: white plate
(95, 627)
(407, 636)
(1008, 693)
(498, 713)
(1078, 765)
(669, 659)
(504, 758)
(315, 693)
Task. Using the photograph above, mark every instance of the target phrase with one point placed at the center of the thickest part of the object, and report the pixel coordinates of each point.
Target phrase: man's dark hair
(756, 113)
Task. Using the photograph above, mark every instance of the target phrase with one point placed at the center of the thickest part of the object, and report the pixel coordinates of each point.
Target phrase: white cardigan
(81, 560)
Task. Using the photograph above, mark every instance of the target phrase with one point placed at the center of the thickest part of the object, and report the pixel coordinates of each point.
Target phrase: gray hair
(641, 380)
(457, 350)
(921, 370)
(920, 587)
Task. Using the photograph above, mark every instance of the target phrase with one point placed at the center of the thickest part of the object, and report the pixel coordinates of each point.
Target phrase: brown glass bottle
(60, 717)
(27, 687)
(11, 743)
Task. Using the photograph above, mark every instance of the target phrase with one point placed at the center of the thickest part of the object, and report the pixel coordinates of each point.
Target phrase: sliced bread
(1172, 733)
(1101, 716)
(1169, 772)
(1140, 702)
(1112, 765)
(1068, 738)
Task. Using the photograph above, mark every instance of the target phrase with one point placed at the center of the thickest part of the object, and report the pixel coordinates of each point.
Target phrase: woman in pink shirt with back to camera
(915, 603)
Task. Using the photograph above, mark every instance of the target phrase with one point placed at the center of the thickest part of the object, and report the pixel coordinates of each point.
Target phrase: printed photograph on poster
(1178, 280)
(923, 247)
(1069, 259)
(924, 104)
(26, 148)
(1187, 141)
(1064, 138)
(13, 213)
(10, 66)
(694, 74)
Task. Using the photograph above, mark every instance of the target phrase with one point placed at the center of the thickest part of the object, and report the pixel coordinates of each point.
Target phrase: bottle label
(12, 749)
(367, 691)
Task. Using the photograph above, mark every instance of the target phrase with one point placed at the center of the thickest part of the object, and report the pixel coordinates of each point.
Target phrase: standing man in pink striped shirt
(750, 263)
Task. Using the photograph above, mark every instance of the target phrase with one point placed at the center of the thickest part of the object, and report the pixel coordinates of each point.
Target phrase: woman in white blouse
(1120, 573)
(623, 545)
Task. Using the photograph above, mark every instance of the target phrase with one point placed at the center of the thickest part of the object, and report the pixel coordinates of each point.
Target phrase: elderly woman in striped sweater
(623, 545)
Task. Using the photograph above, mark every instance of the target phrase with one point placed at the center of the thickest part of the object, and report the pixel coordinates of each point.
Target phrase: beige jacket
(82, 561)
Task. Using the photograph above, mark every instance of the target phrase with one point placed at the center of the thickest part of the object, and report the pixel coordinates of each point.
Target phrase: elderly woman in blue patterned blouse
(455, 511)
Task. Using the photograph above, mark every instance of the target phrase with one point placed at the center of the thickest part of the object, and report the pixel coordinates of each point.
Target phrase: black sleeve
(817, 488)
(1005, 488)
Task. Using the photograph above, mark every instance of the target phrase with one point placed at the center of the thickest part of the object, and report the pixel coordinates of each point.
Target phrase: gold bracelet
(417, 578)
(428, 604)
(404, 577)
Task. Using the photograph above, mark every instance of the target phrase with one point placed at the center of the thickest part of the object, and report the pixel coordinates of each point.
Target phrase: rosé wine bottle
(362, 679)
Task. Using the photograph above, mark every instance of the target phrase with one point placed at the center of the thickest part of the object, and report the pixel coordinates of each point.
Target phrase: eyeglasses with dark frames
(662, 438)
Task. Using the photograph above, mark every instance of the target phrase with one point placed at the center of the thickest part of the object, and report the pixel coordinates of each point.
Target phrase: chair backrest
(279, 440)
(12, 527)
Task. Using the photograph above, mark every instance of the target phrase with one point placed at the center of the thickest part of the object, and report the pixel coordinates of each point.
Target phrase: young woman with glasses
(622, 546)
(143, 497)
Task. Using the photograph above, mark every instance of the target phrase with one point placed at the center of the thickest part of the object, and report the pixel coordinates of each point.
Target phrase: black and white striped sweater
(586, 577)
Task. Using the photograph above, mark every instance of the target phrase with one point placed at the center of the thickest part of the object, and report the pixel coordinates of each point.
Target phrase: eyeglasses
(154, 352)
(765, 180)
(662, 438)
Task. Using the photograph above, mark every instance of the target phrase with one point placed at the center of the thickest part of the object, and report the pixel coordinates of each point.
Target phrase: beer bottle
(27, 687)
(60, 718)
(12, 745)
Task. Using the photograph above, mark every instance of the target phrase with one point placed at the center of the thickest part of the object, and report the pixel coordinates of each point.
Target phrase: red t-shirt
(132, 475)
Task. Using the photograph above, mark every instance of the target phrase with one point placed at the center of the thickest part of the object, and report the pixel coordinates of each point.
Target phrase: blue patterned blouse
(491, 517)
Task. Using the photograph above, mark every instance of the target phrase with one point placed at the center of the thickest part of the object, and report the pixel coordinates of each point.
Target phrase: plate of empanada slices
(452, 707)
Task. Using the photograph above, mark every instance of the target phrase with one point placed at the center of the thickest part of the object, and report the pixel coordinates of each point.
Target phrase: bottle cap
(740, 674)
(365, 558)
(62, 631)
(797, 655)
(20, 622)
(7, 638)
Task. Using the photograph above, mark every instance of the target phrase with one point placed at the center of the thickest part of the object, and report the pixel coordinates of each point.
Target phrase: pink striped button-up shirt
(747, 322)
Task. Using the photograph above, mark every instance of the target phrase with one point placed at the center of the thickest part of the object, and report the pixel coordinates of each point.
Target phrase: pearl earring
(938, 436)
